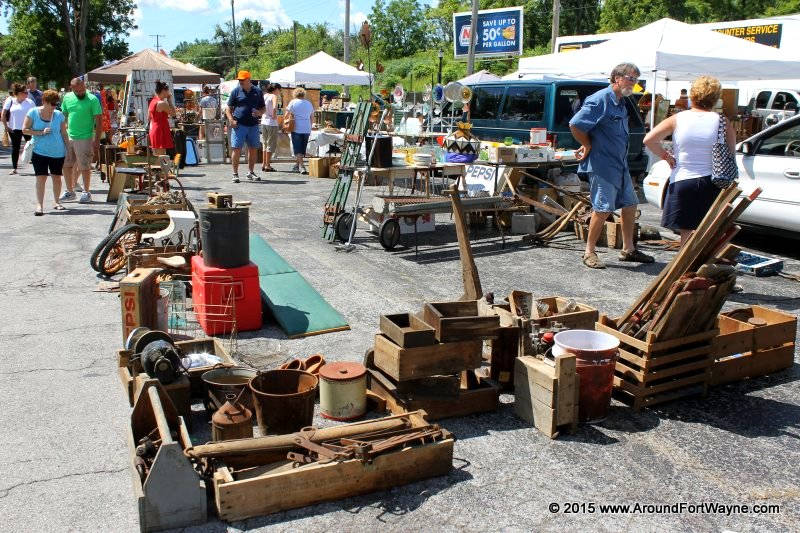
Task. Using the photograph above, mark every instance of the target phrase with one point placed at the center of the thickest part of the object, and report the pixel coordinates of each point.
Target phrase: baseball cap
(243, 75)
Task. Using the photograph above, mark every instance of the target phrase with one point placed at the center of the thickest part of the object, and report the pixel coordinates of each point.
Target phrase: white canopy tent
(478, 77)
(320, 68)
(667, 50)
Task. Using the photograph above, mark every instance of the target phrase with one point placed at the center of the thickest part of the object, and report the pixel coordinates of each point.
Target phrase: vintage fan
(438, 94)
(452, 92)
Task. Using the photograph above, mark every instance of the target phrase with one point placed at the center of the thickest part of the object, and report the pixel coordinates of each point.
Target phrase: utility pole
(233, 26)
(294, 30)
(346, 89)
(556, 16)
(157, 35)
(473, 38)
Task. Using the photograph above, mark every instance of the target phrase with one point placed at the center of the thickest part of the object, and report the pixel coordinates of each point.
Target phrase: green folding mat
(298, 308)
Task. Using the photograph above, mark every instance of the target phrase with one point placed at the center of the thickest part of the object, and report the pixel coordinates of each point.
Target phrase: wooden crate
(240, 494)
(148, 258)
(546, 393)
(482, 399)
(610, 236)
(584, 317)
(128, 370)
(138, 295)
(742, 350)
(455, 321)
(650, 373)
(407, 330)
(412, 363)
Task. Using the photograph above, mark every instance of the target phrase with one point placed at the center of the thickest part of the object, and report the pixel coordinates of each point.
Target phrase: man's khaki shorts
(79, 154)
(269, 138)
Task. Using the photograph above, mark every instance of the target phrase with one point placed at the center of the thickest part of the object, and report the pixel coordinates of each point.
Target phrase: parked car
(501, 109)
(769, 101)
(769, 159)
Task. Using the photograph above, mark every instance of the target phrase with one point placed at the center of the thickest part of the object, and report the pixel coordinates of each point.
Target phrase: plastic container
(595, 357)
(225, 234)
(284, 400)
(538, 136)
(226, 297)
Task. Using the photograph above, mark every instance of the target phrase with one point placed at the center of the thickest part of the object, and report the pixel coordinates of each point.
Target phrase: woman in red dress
(160, 107)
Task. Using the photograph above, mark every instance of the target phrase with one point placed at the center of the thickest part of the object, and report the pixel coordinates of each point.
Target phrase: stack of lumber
(428, 361)
(666, 337)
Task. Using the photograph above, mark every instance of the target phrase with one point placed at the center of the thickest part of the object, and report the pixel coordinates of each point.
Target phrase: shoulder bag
(723, 162)
(288, 122)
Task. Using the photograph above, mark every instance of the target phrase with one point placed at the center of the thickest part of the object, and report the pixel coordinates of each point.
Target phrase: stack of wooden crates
(428, 361)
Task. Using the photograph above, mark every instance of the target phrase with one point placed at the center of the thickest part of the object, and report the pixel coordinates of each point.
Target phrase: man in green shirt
(84, 114)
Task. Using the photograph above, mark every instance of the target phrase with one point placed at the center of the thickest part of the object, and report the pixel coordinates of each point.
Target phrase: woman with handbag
(49, 130)
(20, 105)
(298, 115)
(701, 140)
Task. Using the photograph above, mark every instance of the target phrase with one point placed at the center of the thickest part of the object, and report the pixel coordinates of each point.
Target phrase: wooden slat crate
(455, 321)
(546, 393)
(651, 373)
(583, 317)
(412, 363)
(742, 350)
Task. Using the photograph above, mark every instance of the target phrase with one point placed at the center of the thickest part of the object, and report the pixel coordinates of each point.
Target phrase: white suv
(775, 101)
(769, 159)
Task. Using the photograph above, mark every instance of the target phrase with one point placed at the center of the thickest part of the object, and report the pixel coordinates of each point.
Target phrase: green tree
(783, 7)
(43, 41)
(202, 53)
(621, 15)
(399, 28)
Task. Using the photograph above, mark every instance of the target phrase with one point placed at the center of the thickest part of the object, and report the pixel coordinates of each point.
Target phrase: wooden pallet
(651, 373)
(743, 350)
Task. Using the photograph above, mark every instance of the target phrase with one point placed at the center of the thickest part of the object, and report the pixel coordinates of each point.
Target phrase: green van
(510, 108)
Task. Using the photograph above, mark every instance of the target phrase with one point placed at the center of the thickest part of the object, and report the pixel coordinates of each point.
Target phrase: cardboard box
(138, 295)
(318, 167)
(502, 154)
(333, 167)
(533, 154)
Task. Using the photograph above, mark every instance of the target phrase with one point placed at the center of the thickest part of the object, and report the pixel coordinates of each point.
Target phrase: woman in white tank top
(690, 192)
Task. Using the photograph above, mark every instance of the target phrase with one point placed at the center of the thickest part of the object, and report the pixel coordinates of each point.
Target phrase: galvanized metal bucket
(220, 382)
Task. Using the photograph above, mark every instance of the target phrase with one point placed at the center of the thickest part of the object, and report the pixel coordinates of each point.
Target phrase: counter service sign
(499, 32)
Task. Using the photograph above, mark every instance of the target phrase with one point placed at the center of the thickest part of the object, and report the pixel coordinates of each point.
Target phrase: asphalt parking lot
(65, 461)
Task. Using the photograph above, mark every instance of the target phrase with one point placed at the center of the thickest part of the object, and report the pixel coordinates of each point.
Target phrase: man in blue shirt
(601, 127)
(33, 91)
(245, 107)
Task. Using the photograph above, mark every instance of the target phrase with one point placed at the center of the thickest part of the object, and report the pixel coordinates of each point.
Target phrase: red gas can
(224, 297)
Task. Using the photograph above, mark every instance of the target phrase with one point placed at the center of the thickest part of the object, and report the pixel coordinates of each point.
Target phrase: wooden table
(413, 172)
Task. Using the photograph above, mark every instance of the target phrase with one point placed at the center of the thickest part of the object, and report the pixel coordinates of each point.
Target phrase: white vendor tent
(478, 77)
(320, 68)
(668, 50)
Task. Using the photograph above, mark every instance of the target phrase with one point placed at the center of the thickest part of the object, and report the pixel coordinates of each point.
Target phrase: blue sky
(187, 20)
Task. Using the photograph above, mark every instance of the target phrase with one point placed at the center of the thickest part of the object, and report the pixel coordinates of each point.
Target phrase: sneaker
(295, 169)
(78, 188)
(67, 196)
(86, 198)
(235, 178)
(592, 261)
(252, 176)
(636, 257)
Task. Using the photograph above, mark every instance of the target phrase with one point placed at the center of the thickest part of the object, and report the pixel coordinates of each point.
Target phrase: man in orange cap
(245, 107)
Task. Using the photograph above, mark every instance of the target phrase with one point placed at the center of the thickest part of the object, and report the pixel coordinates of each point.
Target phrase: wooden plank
(318, 483)
(504, 351)
(455, 321)
(412, 363)
(448, 386)
(469, 272)
(752, 364)
(407, 331)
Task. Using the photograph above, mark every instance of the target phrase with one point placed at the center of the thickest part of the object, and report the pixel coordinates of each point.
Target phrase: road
(65, 420)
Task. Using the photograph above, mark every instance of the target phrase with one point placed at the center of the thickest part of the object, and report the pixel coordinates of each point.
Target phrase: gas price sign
(499, 32)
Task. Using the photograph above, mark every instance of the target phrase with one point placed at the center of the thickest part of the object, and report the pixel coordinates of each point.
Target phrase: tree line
(58, 39)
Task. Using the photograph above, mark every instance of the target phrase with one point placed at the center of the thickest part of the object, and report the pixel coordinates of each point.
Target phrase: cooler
(224, 296)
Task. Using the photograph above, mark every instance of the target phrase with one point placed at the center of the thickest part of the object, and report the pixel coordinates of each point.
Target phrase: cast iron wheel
(120, 244)
(342, 226)
(389, 233)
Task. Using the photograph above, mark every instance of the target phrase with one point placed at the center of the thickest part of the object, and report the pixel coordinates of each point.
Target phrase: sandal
(592, 261)
(636, 256)
(59, 207)
(38, 213)
(269, 169)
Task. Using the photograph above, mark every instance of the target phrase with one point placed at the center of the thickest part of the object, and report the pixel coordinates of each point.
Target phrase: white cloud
(181, 5)
(137, 19)
(269, 13)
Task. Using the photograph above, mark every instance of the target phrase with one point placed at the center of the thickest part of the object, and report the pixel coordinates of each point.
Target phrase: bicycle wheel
(119, 245)
(96, 253)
